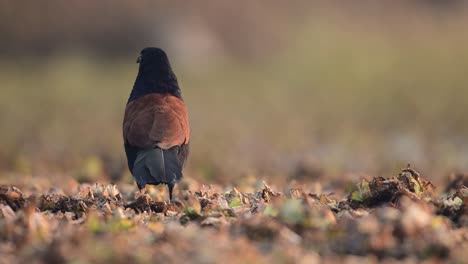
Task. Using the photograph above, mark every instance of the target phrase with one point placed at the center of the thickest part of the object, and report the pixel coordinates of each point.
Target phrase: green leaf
(362, 192)
(457, 202)
(417, 187)
(270, 210)
(292, 212)
(235, 202)
(356, 196)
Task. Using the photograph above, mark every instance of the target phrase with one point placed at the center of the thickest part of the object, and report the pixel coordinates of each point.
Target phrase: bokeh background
(276, 90)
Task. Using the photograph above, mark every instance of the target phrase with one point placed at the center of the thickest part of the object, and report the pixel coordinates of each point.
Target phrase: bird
(156, 129)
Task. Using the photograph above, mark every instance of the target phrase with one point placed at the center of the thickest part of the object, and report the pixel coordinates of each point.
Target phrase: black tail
(156, 166)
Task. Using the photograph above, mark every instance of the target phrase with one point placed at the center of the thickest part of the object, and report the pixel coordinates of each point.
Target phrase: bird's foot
(141, 193)
(174, 200)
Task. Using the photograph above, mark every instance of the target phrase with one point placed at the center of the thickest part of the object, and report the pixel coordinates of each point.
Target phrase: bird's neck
(147, 84)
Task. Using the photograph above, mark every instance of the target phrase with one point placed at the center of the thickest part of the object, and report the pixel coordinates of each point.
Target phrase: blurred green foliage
(345, 90)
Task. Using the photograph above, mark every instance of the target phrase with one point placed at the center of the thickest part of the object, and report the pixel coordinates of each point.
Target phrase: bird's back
(156, 135)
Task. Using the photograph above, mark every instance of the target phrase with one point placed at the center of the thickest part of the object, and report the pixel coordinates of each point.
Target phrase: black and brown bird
(155, 127)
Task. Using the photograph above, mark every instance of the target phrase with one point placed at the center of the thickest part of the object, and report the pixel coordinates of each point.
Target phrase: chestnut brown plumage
(155, 128)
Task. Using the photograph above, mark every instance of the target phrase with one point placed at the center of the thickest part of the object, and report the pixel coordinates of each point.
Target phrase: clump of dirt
(61, 203)
(145, 203)
(13, 197)
(455, 206)
(382, 190)
(456, 181)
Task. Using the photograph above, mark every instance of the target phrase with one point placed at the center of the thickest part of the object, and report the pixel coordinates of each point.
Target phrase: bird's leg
(171, 187)
(141, 192)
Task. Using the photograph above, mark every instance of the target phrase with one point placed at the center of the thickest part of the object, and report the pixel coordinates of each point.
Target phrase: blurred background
(275, 90)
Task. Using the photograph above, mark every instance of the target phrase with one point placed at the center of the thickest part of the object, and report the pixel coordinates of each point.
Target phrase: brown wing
(156, 120)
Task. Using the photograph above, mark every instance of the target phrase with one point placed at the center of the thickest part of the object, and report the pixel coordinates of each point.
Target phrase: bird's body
(155, 128)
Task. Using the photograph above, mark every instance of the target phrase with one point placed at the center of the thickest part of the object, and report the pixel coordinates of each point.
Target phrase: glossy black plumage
(155, 128)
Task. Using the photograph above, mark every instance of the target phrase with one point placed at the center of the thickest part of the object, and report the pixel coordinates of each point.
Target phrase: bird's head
(154, 60)
(155, 74)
